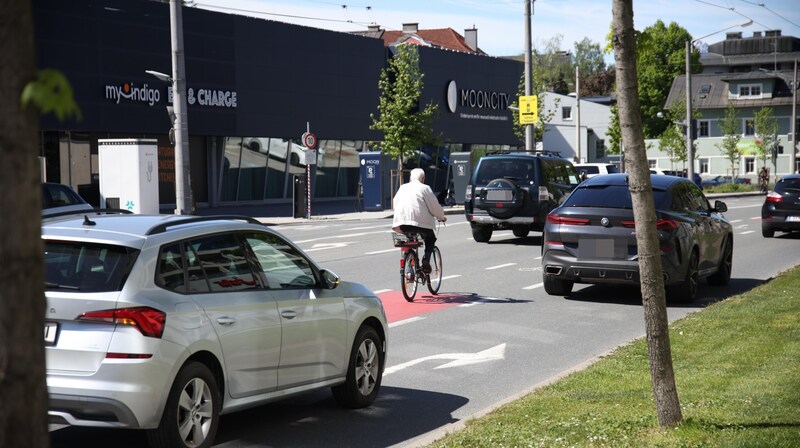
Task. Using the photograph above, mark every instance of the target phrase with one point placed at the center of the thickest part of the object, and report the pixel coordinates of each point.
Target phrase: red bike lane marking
(398, 308)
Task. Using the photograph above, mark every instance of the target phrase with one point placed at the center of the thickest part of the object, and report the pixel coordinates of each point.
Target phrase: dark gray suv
(591, 238)
(516, 191)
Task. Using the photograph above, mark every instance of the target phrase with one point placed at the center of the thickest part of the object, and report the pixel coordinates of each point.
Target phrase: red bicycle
(411, 272)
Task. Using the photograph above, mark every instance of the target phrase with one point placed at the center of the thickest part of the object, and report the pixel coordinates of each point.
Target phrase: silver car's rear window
(86, 267)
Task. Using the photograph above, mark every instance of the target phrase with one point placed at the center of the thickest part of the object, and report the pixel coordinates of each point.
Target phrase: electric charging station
(129, 174)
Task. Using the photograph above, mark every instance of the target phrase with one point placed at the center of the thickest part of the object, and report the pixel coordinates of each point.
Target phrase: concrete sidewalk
(281, 214)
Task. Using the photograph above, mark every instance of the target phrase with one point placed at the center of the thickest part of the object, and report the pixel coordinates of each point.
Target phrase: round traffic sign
(310, 140)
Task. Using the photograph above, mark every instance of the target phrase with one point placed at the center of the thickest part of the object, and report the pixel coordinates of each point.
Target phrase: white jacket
(416, 205)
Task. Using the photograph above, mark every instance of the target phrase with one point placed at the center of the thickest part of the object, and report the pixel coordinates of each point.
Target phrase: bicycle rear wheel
(435, 277)
(408, 279)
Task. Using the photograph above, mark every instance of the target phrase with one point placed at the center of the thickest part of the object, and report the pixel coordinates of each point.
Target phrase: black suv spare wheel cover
(501, 198)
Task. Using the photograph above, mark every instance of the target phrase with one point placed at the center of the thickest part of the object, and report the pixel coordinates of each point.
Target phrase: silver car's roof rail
(93, 211)
(161, 228)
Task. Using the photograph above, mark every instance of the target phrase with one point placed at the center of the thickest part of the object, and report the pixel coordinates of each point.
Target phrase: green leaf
(51, 92)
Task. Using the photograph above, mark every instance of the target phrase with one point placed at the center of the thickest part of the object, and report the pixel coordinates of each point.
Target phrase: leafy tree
(661, 57)
(588, 57)
(731, 128)
(614, 133)
(554, 66)
(767, 136)
(673, 139)
(665, 391)
(599, 83)
(405, 126)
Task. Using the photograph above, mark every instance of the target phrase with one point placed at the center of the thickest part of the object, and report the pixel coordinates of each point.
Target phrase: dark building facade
(254, 87)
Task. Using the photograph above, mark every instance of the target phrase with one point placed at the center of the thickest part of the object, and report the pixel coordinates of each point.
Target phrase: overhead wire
(292, 16)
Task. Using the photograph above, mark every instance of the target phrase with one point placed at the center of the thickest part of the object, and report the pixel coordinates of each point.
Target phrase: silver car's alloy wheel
(191, 414)
(367, 367)
(195, 412)
(364, 371)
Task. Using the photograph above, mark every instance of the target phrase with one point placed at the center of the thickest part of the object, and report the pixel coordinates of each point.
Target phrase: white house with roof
(562, 133)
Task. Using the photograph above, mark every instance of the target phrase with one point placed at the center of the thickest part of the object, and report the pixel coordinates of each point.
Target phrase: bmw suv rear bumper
(563, 266)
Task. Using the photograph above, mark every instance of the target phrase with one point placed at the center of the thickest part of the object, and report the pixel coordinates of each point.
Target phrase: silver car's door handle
(288, 314)
(225, 320)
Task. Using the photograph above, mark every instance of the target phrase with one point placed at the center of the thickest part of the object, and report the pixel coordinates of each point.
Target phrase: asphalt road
(490, 335)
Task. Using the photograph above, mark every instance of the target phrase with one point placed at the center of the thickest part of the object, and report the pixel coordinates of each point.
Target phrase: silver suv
(163, 323)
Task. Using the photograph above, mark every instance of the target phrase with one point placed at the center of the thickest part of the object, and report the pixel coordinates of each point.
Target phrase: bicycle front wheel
(408, 279)
(435, 277)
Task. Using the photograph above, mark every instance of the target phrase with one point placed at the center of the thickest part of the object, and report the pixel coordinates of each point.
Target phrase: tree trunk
(23, 394)
(652, 282)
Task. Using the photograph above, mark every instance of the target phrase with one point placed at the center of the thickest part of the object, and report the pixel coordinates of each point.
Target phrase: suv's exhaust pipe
(553, 270)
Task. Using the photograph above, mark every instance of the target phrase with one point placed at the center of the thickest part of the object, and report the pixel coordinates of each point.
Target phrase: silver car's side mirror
(329, 279)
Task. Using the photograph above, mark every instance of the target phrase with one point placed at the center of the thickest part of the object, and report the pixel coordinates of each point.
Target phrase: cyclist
(415, 210)
(763, 179)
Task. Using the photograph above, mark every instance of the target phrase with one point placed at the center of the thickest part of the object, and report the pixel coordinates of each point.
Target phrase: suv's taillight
(665, 225)
(543, 194)
(555, 219)
(468, 193)
(774, 197)
(149, 321)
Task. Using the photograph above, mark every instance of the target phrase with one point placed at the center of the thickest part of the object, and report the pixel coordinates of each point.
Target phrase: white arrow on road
(458, 359)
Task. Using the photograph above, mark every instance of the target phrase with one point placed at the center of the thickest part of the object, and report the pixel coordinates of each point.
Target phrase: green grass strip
(737, 367)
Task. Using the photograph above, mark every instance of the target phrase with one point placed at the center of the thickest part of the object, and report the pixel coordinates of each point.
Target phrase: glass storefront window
(230, 168)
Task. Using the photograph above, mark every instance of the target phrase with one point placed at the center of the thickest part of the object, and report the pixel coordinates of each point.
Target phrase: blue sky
(501, 23)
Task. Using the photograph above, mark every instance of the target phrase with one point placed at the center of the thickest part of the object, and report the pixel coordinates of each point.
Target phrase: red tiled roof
(444, 38)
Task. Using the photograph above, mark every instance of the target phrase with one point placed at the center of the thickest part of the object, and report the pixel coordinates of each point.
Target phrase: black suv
(516, 191)
(781, 209)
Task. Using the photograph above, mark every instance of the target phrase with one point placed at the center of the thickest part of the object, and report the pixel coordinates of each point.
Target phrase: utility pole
(183, 185)
(793, 152)
(528, 69)
(578, 112)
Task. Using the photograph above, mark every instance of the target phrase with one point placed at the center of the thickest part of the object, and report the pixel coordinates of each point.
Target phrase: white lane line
(735, 220)
(382, 226)
(538, 258)
(405, 321)
(745, 206)
(349, 235)
(500, 266)
(448, 277)
(756, 218)
(381, 291)
(538, 285)
(745, 233)
(380, 251)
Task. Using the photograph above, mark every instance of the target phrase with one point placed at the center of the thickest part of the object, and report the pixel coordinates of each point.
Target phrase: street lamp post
(688, 124)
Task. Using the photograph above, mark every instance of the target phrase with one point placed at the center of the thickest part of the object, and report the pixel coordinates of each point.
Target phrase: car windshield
(87, 267)
(611, 196)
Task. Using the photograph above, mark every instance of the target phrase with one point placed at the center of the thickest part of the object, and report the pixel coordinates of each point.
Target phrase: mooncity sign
(145, 94)
(477, 99)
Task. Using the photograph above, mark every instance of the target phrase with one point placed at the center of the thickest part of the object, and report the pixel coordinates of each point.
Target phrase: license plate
(498, 195)
(793, 218)
(50, 333)
(601, 248)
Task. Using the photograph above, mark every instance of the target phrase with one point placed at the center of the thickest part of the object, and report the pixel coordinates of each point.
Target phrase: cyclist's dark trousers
(428, 236)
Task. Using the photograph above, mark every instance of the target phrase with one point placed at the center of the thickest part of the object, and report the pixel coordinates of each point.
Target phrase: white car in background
(590, 170)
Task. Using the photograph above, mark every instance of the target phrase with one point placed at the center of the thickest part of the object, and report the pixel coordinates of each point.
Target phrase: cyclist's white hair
(418, 174)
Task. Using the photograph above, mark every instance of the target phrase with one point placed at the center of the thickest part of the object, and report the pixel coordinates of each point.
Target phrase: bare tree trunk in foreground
(652, 283)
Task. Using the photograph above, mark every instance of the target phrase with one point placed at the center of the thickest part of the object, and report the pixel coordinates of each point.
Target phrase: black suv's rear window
(788, 185)
(87, 267)
(611, 196)
(512, 168)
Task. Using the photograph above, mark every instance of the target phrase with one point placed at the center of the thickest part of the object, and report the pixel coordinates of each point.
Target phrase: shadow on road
(631, 295)
(312, 420)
